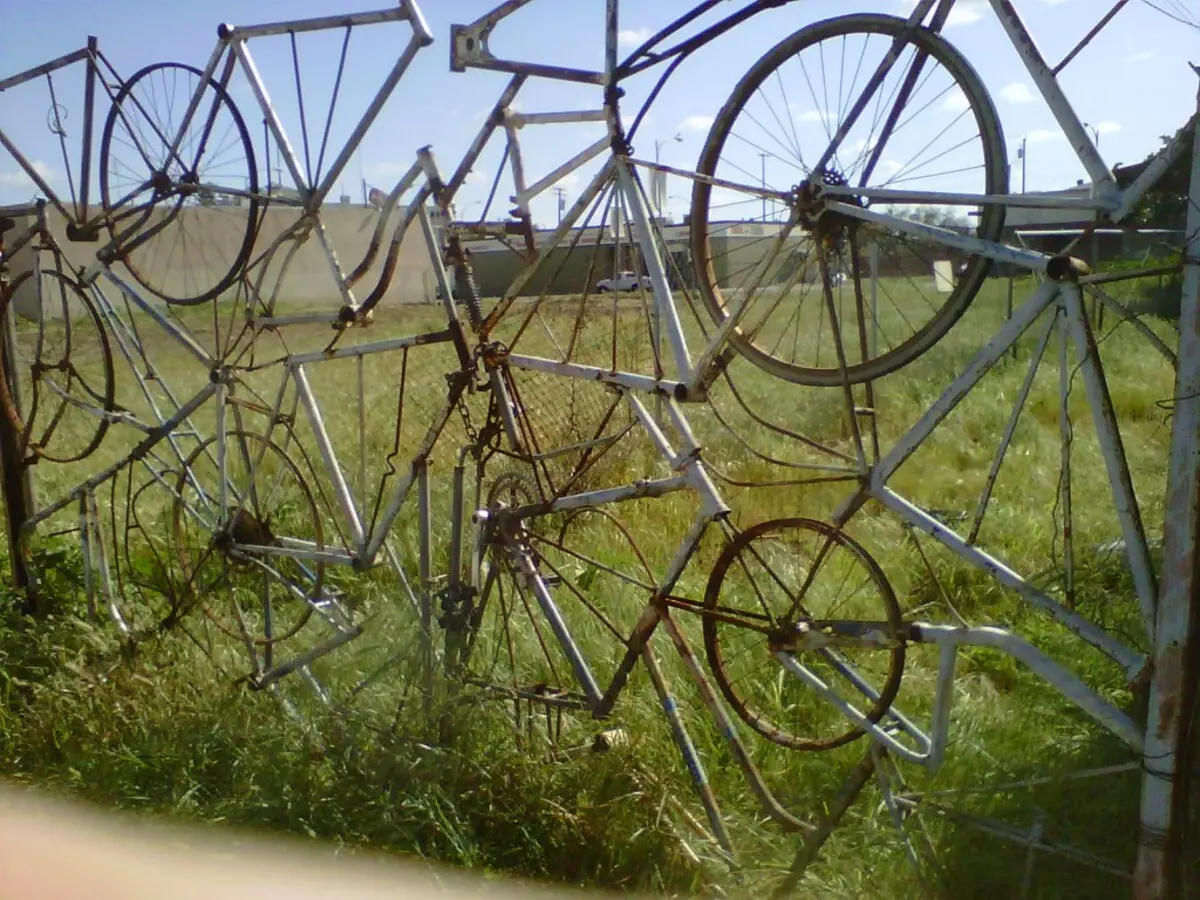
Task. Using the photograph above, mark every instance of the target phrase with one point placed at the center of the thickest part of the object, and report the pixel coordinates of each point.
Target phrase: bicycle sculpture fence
(736, 453)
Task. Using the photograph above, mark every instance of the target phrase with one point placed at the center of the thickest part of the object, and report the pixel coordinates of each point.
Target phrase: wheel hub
(812, 203)
(244, 530)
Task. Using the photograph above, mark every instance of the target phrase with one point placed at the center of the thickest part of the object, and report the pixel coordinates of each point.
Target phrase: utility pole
(659, 176)
(561, 193)
(1021, 157)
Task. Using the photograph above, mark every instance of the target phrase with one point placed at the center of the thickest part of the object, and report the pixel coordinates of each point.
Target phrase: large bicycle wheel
(811, 277)
(184, 221)
(62, 366)
(254, 562)
(771, 585)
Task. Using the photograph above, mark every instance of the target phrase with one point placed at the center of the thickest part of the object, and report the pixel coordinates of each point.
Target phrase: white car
(626, 282)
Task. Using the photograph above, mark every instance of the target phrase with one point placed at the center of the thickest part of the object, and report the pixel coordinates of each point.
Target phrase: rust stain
(1169, 676)
(1148, 882)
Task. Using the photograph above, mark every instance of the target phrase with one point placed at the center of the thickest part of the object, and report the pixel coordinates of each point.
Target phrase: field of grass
(170, 730)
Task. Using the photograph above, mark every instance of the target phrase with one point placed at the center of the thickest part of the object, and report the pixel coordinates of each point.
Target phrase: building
(1058, 230)
(288, 263)
(587, 255)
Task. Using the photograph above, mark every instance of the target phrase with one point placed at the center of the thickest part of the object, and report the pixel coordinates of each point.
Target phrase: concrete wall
(736, 248)
(199, 245)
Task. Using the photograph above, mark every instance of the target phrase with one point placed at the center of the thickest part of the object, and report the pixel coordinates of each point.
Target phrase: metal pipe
(185, 340)
(1026, 259)
(46, 67)
(958, 390)
(1048, 86)
(580, 159)
(626, 380)
(388, 346)
(340, 488)
(519, 553)
(270, 116)
(232, 33)
(1130, 660)
(654, 268)
(1108, 435)
(1167, 762)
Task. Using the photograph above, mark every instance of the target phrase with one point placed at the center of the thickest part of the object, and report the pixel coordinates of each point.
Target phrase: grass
(169, 730)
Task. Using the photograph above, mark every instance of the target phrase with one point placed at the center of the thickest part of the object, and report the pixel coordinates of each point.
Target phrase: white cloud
(475, 177)
(887, 168)
(1139, 57)
(964, 12)
(633, 37)
(1017, 93)
(813, 115)
(20, 178)
(696, 123)
(956, 101)
(1108, 127)
(385, 169)
(1042, 135)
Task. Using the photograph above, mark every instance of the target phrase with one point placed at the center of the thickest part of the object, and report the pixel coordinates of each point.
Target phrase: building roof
(1175, 181)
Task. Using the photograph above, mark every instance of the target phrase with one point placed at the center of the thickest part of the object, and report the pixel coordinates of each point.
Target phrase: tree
(1165, 205)
(940, 216)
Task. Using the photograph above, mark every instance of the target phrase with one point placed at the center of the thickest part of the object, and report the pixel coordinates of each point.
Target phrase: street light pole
(763, 157)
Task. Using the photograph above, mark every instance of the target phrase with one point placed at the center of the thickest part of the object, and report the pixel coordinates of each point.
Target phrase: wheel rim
(945, 138)
(186, 222)
(249, 593)
(63, 366)
(780, 573)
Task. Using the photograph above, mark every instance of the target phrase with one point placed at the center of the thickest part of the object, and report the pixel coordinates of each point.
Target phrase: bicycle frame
(470, 51)
(79, 222)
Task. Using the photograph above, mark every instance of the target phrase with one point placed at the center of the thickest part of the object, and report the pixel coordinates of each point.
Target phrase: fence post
(15, 480)
(1175, 677)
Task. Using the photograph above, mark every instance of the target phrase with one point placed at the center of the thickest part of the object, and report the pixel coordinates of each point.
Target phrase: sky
(1132, 84)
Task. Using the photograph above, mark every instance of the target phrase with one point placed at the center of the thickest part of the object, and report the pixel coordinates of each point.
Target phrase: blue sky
(1133, 83)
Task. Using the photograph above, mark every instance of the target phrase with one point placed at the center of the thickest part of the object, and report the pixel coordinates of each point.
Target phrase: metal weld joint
(469, 45)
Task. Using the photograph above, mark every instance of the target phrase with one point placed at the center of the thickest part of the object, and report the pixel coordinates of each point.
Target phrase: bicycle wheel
(184, 222)
(255, 563)
(768, 584)
(63, 368)
(927, 126)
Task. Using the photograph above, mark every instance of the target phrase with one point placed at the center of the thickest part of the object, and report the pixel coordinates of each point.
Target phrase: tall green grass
(170, 730)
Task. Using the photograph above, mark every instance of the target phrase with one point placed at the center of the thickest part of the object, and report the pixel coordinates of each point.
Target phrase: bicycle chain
(465, 414)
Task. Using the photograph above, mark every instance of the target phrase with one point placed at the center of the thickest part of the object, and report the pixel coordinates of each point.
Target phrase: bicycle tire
(125, 105)
(991, 220)
(742, 706)
(90, 315)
